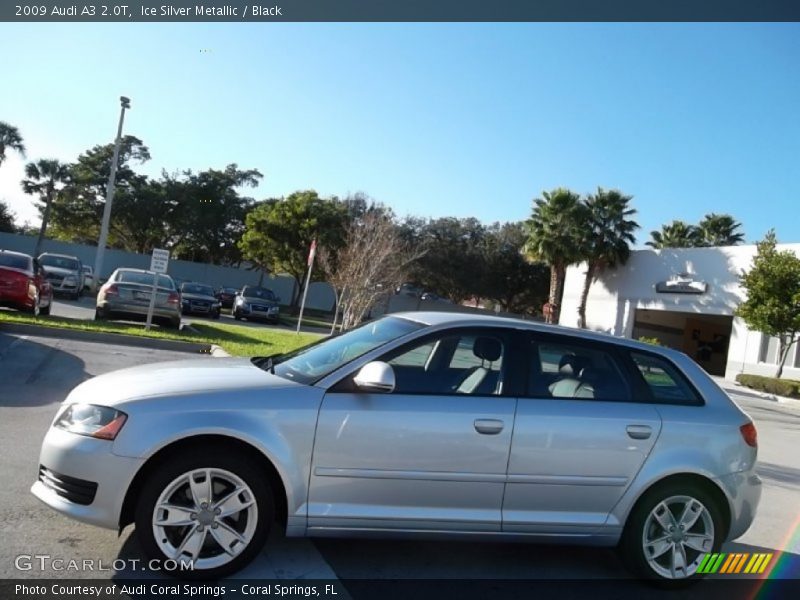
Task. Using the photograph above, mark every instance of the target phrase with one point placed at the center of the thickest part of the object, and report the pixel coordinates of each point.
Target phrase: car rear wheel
(100, 315)
(236, 315)
(45, 310)
(670, 531)
(210, 509)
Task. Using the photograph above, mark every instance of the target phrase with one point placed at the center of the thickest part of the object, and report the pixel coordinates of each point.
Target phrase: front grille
(260, 307)
(75, 490)
(200, 305)
(55, 278)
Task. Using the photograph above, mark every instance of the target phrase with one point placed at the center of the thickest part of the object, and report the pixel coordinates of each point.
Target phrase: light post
(101, 243)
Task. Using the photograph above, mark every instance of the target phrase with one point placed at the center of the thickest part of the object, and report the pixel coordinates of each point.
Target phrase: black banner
(399, 10)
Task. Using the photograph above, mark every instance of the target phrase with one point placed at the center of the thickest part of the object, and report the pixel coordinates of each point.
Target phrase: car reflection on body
(416, 424)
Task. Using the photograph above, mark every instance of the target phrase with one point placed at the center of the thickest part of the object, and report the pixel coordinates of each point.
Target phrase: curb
(218, 352)
(735, 387)
(106, 338)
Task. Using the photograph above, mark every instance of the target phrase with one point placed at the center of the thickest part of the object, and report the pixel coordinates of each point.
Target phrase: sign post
(158, 264)
(311, 253)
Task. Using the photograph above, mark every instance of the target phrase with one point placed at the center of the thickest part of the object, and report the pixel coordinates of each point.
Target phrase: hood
(176, 378)
(205, 297)
(60, 271)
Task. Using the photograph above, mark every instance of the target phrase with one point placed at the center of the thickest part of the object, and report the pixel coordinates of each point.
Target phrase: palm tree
(677, 234)
(554, 237)
(10, 139)
(720, 230)
(608, 238)
(42, 178)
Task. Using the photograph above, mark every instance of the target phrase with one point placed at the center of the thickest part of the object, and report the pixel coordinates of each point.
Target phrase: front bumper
(91, 460)
(744, 493)
(271, 313)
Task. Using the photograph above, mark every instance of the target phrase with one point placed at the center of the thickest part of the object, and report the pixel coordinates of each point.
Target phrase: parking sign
(159, 261)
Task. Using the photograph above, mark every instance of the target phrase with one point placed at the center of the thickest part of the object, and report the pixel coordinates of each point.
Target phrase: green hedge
(781, 387)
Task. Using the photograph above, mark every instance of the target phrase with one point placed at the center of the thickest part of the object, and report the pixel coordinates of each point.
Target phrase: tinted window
(258, 292)
(15, 261)
(665, 382)
(574, 370)
(61, 262)
(466, 363)
(144, 279)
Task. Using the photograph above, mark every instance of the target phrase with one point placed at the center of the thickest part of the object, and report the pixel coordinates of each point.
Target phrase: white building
(686, 299)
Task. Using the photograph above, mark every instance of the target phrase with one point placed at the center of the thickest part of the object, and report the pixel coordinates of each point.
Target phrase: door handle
(489, 426)
(639, 432)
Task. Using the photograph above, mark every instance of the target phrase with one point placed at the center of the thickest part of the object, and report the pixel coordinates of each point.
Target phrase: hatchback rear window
(15, 261)
(665, 382)
(144, 279)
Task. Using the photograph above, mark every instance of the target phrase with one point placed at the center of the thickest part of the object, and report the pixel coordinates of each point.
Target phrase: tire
(45, 311)
(236, 315)
(244, 531)
(34, 309)
(659, 509)
(100, 315)
(215, 315)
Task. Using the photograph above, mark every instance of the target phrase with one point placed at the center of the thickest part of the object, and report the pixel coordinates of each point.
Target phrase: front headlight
(70, 280)
(99, 422)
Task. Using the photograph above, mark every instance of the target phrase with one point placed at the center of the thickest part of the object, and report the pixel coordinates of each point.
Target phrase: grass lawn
(239, 341)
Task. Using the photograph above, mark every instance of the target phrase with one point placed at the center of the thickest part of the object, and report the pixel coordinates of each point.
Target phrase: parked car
(64, 272)
(199, 299)
(23, 283)
(226, 296)
(409, 289)
(255, 302)
(88, 278)
(416, 424)
(126, 295)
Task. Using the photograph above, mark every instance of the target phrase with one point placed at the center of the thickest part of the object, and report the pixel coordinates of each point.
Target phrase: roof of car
(15, 253)
(435, 318)
(59, 255)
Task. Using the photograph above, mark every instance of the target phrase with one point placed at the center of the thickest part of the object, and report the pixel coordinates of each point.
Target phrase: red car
(23, 285)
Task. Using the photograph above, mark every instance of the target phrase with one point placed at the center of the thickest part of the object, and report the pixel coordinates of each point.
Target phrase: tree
(6, 219)
(206, 215)
(773, 296)
(78, 213)
(677, 234)
(720, 230)
(372, 262)
(279, 233)
(509, 279)
(554, 237)
(42, 178)
(452, 264)
(608, 238)
(10, 139)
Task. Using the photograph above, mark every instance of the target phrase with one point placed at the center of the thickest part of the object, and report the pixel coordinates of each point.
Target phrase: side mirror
(375, 377)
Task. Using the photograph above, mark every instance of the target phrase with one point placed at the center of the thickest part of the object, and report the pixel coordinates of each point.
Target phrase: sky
(432, 119)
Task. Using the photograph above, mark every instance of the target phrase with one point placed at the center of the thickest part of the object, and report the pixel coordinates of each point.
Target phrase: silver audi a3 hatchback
(429, 424)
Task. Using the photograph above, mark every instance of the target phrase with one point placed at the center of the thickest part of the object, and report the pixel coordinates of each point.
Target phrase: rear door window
(665, 382)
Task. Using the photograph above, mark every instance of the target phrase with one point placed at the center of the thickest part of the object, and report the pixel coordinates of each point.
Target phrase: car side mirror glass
(377, 377)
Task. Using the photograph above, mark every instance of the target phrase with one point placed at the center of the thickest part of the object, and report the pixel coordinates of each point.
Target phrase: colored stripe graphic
(726, 565)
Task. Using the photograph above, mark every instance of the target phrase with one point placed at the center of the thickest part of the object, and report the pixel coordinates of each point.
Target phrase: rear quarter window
(666, 383)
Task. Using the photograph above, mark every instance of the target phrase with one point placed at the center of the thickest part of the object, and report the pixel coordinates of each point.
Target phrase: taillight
(112, 290)
(749, 434)
(174, 298)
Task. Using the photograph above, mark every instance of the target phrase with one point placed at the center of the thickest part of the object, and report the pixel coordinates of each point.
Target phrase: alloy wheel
(207, 516)
(677, 533)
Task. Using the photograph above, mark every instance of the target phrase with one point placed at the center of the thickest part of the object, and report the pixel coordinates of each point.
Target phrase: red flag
(312, 251)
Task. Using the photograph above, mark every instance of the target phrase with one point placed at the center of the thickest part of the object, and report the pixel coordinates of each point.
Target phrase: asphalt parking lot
(37, 373)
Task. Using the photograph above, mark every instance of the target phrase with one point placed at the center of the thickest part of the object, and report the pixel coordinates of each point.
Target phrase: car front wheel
(211, 510)
(670, 531)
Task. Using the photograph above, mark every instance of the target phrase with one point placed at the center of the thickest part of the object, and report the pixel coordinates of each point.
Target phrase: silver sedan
(415, 424)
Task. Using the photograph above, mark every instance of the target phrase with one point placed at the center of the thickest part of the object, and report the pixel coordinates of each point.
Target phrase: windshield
(144, 279)
(258, 292)
(313, 362)
(15, 261)
(61, 262)
(195, 288)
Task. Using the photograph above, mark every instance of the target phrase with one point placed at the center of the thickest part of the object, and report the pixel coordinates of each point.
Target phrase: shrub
(780, 387)
(650, 340)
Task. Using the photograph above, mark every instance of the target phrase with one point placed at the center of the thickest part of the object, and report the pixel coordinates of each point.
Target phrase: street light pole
(101, 243)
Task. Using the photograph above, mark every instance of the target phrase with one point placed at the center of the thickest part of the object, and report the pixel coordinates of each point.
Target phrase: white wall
(616, 294)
